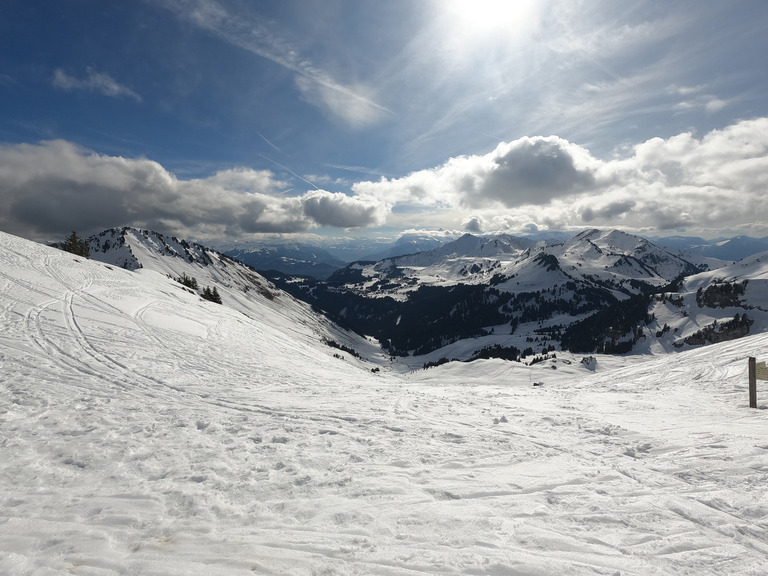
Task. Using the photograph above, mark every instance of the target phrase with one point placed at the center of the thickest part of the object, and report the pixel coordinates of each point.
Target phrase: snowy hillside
(146, 431)
(708, 303)
(241, 287)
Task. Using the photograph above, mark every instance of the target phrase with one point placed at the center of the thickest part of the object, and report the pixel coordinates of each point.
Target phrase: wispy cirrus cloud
(353, 104)
(6, 80)
(93, 82)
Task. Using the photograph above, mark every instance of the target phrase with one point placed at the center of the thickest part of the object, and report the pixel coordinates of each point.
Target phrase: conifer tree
(75, 245)
(188, 281)
(211, 295)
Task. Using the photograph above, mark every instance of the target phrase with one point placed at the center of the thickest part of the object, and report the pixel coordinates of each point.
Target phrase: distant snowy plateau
(147, 431)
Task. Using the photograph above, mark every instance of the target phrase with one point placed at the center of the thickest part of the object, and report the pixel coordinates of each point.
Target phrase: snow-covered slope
(240, 286)
(753, 268)
(708, 302)
(145, 431)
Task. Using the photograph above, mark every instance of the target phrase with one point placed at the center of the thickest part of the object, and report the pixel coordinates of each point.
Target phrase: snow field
(146, 432)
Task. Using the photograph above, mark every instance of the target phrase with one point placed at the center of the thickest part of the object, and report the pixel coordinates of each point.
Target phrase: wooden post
(752, 382)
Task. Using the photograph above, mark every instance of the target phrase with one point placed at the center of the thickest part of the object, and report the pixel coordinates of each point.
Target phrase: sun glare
(479, 16)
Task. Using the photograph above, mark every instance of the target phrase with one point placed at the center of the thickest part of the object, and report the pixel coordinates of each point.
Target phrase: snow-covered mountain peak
(131, 248)
(610, 241)
(466, 245)
(503, 247)
(508, 244)
(587, 234)
(626, 255)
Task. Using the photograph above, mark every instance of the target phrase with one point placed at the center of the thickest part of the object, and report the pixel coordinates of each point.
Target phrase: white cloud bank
(51, 188)
(709, 186)
(716, 182)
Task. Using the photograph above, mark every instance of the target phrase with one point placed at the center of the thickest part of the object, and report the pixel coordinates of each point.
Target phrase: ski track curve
(55, 328)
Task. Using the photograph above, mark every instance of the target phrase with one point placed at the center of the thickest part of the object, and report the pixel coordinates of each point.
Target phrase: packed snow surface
(144, 431)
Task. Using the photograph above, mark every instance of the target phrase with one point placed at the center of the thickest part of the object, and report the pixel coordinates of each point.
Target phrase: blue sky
(244, 120)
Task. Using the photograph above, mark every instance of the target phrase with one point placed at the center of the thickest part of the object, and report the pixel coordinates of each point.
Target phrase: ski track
(149, 433)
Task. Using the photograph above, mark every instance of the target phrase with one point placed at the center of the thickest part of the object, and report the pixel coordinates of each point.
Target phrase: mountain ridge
(593, 292)
(294, 258)
(240, 286)
(320, 261)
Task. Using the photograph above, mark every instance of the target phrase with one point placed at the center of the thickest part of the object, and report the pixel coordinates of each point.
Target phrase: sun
(480, 16)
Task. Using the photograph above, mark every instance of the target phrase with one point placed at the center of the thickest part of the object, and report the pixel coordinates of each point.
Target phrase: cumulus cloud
(94, 82)
(532, 171)
(342, 211)
(51, 188)
(703, 185)
(685, 183)
(526, 171)
(706, 184)
(474, 225)
(610, 211)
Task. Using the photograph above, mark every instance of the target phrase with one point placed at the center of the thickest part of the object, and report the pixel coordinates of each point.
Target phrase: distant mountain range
(297, 259)
(731, 249)
(320, 262)
(600, 291)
